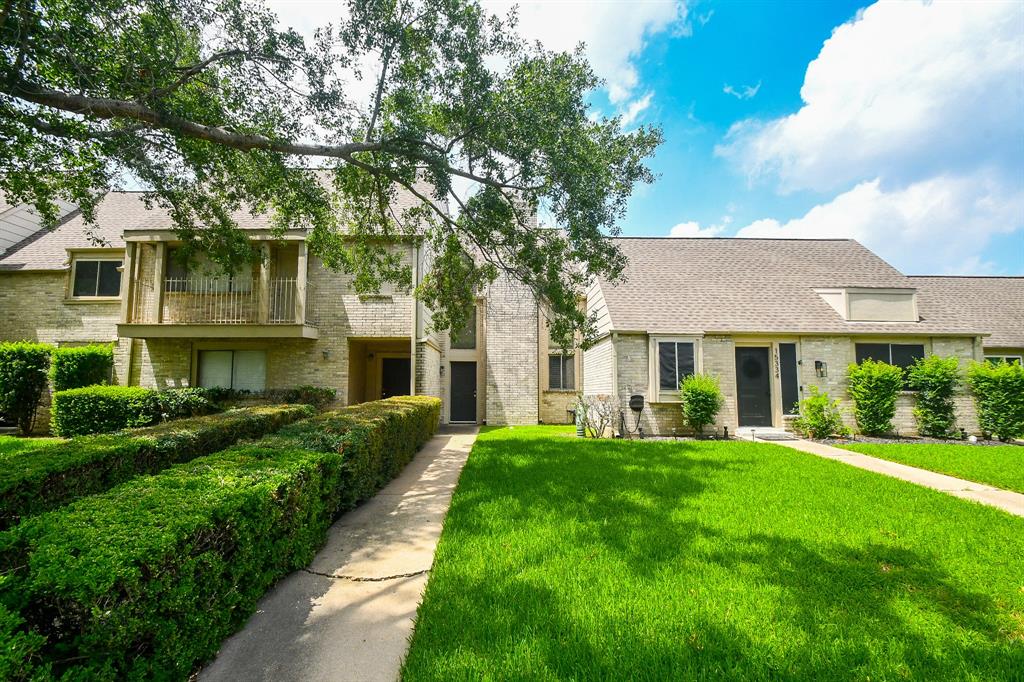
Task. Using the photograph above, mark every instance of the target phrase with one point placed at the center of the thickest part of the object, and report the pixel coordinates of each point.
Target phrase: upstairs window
(562, 372)
(675, 361)
(96, 278)
(465, 338)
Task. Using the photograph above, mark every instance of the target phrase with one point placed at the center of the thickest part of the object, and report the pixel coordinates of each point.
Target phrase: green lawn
(12, 445)
(571, 559)
(998, 465)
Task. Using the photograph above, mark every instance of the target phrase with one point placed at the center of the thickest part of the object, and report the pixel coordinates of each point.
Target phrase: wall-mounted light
(820, 368)
(326, 354)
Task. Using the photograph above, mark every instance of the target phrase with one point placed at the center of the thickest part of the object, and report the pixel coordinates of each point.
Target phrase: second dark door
(394, 376)
(753, 387)
(463, 392)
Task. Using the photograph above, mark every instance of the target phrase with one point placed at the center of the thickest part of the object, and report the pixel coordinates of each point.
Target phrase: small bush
(702, 400)
(43, 479)
(820, 416)
(597, 414)
(23, 370)
(936, 380)
(317, 396)
(999, 396)
(81, 366)
(178, 403)
(145, 581)
(102, 409)
(874, 387)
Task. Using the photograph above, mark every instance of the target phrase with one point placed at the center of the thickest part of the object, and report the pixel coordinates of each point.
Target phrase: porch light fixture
(820, 368)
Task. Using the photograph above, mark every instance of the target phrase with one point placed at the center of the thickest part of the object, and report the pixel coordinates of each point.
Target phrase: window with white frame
(1009, 359)
(240, 370)
(675, 359)
(561, 372)
(96, 277)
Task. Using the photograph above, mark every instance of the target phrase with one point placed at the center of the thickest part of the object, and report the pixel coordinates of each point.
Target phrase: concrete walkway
(349, 615)
(1004, 499)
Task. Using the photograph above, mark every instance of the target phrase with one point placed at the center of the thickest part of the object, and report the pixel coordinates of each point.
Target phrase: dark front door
(394, 376)
(463, 392)
(753, 387)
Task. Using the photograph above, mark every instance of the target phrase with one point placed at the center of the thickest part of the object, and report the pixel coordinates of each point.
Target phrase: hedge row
(145, 581)
(78, 366)
(102, 409)
(46, 478)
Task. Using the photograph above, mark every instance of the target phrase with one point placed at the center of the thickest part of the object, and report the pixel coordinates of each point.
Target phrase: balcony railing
(216, 300)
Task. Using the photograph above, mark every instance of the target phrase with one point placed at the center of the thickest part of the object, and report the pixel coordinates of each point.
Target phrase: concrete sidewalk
(349, 615)
(1004, 499)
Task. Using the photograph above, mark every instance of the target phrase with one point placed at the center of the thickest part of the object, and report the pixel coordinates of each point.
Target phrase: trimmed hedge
(43, 479)
(936, 380)
(23, 371)
(177, 403)
(999, 396)
(81, 366)
(146, 580)
(102, 409)
(873, 387)
(702, 400)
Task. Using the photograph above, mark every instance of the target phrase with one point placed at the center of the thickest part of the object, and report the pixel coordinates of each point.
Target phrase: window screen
(872, 351)
(790, 379)
(904, 355)
(96, 278)
(561, 372)
(675, 361)
(465, 338)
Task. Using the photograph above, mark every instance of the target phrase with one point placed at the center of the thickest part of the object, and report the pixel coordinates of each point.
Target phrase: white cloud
(693, 229)
(942, 224)
(919, 108)
(615, 33)
(742, 92)
(903, 88)
(635, 108)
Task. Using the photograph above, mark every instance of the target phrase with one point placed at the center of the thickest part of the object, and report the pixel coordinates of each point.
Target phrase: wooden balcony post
(159, 268)
(300, 285)
(127, 281)
(264, 300)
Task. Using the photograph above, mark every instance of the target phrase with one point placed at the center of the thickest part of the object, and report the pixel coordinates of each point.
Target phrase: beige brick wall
(839, 352)
(511, 359)
(718, 359)
(33, 307)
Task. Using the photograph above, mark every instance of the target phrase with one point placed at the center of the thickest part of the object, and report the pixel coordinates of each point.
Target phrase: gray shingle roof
(117, 213)
(994, 303)
(677, 285)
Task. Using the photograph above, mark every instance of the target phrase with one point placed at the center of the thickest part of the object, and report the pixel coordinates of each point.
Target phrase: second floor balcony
(162, 298)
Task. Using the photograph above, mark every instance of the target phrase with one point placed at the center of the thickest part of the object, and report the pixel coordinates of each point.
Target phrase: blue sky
(759, 45)
(900, 124)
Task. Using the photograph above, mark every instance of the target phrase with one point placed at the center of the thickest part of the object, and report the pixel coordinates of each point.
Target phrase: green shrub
(317, 396)
(81, 366)
(144, 581)
(102, 409)
(18, 648)
(43, 479)
(936, 380)
(177, 403)
(874, 387)
(23, 369)
(999, 396)
(702, 400)
(820, 416)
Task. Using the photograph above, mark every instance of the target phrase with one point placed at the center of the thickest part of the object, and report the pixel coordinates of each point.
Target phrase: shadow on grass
(603, 560)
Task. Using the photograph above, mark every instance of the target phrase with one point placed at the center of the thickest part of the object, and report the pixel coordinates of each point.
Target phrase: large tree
(215, 109)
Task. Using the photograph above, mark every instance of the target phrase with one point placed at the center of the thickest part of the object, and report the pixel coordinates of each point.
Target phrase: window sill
(92, 299)
(560, 390)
